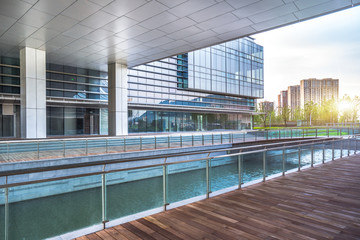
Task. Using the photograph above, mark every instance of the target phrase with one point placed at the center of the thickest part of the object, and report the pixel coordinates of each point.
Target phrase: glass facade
(9, 75)
(208, 89)
(234, 67)
(72, 82)
(161, 121)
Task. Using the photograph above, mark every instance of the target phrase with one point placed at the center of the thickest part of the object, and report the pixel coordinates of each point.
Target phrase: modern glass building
(214, 88)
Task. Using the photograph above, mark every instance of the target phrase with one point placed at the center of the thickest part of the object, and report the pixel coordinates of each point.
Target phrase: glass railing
(27, 150)
(38, 204)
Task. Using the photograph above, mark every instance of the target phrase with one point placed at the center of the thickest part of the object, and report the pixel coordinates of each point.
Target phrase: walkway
(318, 203)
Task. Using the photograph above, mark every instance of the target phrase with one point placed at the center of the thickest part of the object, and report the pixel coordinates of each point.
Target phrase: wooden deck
(318, 203)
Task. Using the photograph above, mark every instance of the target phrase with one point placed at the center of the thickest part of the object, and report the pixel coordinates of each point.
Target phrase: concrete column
(118, 99)
(33, 93)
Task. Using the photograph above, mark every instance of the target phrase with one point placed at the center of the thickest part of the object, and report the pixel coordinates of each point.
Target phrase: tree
(355, 108)
(285, 114)
(309, 110)
(265, 110)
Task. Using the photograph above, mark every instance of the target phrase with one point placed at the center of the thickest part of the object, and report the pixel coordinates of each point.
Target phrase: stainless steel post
(203, 142)
(8, 152)
(38, 150)
(212, 139)
(64, 148)
(192, 139)
(239, 170)
(323, 154)
(312, 155)
(230, 138)
(106, 145)
(181, 142)
(221, 137)
(333, 155)
(299, 158)
(291, 135)
(155, 142)
(140, 143)
(169, 145)
(283, 162)
(208, 183)
(124, 144)
(264, 166)
(87, 150)
(165, 186)
(315, 132)
(103, 198)
(348, 146)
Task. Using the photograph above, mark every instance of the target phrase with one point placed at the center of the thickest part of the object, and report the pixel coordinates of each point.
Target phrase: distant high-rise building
(318, 90)
(293, 98)
(282, 100)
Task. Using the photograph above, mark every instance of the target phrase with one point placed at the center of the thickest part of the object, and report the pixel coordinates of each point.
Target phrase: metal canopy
(93, 33)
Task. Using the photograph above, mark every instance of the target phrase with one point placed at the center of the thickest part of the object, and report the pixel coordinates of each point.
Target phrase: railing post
(243, 137)
(169, 145)
(106, 145)
(303, 133)
(255, 136)
(349, 146)
(181, 141)
(103, 198)
(202, 139)
(140, 143)
(299, 158)
(86, 149)
(221, 137)
(264, 166)
(279, 134)
(267, 135)
(165, 186)
(283, 161)
(208, 183)
(355, 145)
(333, 155)
(239, 170)
(316, 132)
(323, 159)
(64, 148)
(291, 135)
(328, 132)
(192, 139)
(230, 138)
(8, 152)
(155, 142)
(124, 144)
(340, 134)
(212, 139)
(312, 155)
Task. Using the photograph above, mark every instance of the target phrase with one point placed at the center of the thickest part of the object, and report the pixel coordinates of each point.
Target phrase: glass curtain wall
(159, 121)
(70, 121)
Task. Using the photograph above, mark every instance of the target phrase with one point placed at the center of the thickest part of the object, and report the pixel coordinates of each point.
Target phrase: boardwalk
(318, 203)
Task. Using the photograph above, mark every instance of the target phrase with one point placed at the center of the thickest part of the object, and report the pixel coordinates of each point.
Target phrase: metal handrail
(140, 167)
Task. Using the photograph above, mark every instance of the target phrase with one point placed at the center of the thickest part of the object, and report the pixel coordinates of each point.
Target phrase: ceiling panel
(94, 32)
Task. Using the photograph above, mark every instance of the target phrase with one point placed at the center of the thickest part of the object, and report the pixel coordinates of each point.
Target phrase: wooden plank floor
(318, 203)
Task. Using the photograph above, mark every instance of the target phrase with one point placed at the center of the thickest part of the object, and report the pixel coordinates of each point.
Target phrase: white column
(118, 99)
(33, 93)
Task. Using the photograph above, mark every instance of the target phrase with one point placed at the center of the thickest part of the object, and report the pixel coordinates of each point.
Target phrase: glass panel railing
(208, 139)
(187, 140)
(162, 142)
(75, 148)
(252, 167)
(4, 156)
(132, 144)
(217, 138)
(147, 143)
(338, 149)
(51, 149)
(43, 210)
(305, 155)
(291, 158)
(328, 151)
(319, 153)
(198, 140)
(224, 172)
(133, 191)
(23, 151)
(186, 180)
(175, 141)
(274, 162)
(116, 145)
(96, 146)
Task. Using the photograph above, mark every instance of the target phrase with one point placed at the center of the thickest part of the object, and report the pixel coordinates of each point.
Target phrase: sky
(324, 47)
